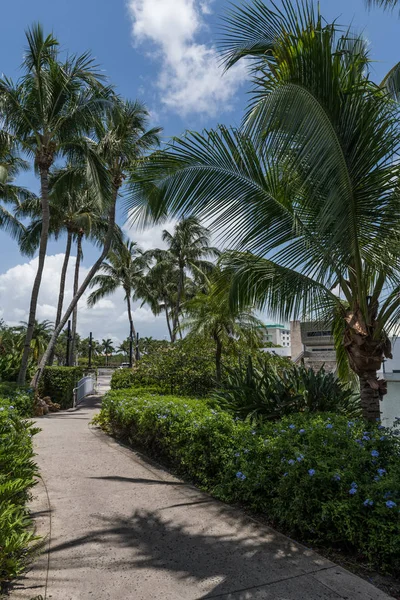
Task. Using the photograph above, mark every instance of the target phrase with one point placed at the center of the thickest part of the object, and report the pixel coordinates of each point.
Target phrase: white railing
(85, 387)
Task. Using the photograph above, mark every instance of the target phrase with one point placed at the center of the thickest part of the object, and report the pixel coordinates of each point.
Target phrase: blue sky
(163, 52)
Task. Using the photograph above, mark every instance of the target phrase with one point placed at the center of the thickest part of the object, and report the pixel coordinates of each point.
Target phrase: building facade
(278, 334)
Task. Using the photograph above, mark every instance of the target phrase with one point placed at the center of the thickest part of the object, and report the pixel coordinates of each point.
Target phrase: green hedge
(17, 471)
(59, 383)
(320, 477)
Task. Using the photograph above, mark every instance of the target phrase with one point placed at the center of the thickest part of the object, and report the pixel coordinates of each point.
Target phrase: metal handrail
(82, 390)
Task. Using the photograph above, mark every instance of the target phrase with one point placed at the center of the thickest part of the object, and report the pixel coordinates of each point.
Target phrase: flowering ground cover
(321, 477)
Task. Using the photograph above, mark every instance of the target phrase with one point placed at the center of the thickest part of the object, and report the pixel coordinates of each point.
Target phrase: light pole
(90, 350)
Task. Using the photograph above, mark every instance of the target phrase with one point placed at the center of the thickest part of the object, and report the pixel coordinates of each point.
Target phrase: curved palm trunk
(82, 289)
(44, 188)
(62, 285)
(76, 287)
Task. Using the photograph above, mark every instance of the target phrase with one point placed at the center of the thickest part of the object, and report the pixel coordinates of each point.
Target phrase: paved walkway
(122, 529)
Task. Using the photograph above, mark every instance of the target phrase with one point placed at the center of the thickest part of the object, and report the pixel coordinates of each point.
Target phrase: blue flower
(285, 474)
(246, 451)
(391, 504)
(381, 427)
(329, 426)
(368, 502)
(11, 407)
(353, 491)
(366, 438)
(240, 475)
(300, 457)
(375, 453)
(302, 430)
(291, 461)
(359, 442)
(382, 438)
(292, 426)
(354, 485)
(350, 424)
(253, 433)
(376, 478)
(336, 477)
(387, 495)
(237, 453)
(311, 472)
(381, 472)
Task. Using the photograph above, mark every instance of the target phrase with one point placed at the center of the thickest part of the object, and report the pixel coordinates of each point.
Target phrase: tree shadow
(215, 564)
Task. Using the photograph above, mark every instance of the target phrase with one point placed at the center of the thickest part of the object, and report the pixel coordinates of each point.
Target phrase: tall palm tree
(310, 186)
(108, 348)
(48, 111)
(122, 143)
(188, 246)
(124, 269)
(212, 315)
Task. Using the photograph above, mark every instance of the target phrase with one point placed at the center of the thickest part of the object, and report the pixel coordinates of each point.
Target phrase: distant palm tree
(212, 315)
(108, 348)
(124, 269)
(48, 111)
(42, 331)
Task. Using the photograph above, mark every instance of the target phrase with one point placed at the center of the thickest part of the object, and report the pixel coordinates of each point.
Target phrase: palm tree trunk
(44, 189)
(62, 285)
(131, 325)
(82, 289)
(178, 305)
(168, 321)
(370, 396)
(76, 286)
(218, 356)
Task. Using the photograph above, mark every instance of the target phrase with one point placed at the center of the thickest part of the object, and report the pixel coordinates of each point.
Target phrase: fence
(85, 387)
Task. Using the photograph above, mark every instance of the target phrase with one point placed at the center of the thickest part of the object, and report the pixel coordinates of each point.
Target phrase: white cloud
(108, 319)
(191, 78)
(151, 237)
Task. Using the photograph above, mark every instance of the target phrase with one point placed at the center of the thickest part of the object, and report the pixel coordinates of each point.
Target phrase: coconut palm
(124, 268)
(123, 141)
(40, 338)
(48, 112)
(188, 246)
(212, 315)
(310, 186)
(108, 348)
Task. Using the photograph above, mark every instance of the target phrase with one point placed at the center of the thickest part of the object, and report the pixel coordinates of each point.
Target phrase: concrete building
(313, 343)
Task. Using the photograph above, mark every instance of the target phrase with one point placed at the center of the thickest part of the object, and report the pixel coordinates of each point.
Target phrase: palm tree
(48, 111)
(211, 315)
(383, 3)
(123, 140)
(188, 246)
(125, 267)
(40, 338)
(310, 186)
(108, 348)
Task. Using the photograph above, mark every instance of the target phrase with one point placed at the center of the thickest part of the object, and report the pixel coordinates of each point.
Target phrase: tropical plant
(40, 337)
(311, 182)
(108, 348)
(266, 391)
(124, 269)
(123, 140)
(188, 246)
(48, 112)
(210, 314)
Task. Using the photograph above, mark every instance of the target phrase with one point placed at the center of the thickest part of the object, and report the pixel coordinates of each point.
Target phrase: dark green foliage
(21, 398)
(299, 471)
(266, 391)
(17, 471)
(185, 367)
(59, 383)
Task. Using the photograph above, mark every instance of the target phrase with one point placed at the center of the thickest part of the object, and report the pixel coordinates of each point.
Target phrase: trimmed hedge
(59, 384)
(17, 472)
(318, 476)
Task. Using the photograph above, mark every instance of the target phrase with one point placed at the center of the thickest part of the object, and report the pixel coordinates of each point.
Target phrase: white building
(278, 334)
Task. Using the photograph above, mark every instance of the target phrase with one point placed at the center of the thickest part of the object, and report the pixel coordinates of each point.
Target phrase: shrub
(318, 476)
(17, 471)
(186, 367)
(20, 397)
(266, 391)
(59, 383)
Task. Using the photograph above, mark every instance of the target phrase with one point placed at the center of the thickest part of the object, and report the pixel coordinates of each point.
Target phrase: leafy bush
(59, 383)
(319, 476)
(266, 391)
(186, 367)
(17, 471)
(20, 397)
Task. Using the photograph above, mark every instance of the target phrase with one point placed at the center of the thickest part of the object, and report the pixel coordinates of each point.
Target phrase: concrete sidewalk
(122, 528)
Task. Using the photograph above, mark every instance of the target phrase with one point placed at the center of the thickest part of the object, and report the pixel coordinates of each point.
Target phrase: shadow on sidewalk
(231, 562)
